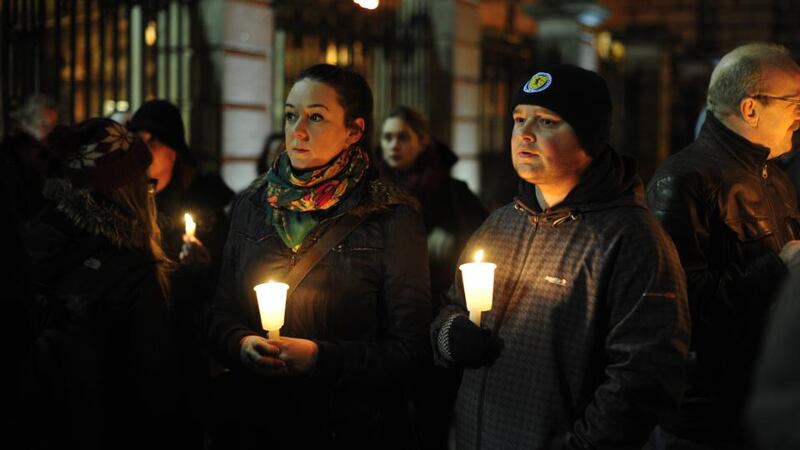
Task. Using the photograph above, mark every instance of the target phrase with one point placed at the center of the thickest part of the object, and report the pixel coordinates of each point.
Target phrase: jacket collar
(95, 214)
(750, 155)
(610, 181)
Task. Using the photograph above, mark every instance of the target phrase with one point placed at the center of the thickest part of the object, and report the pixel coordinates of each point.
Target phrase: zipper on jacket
(778, 229)
(534, 218)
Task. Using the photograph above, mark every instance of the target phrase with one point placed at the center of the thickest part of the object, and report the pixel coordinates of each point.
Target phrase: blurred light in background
(368, 4)
(150, 33)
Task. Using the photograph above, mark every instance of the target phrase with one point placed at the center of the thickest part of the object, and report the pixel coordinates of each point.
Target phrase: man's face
(779, 115)
(544, 149)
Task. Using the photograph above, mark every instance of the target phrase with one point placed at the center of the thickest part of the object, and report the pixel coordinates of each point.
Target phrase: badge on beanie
(538, 83)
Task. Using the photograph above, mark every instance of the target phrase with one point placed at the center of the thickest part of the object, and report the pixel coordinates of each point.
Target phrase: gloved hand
(467, 344)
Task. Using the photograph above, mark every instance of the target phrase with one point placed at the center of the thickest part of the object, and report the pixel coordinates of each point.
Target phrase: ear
(356, 131)
(750, 110)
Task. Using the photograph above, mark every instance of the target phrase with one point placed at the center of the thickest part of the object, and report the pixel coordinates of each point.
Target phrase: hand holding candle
(478, 280)
(271, 306)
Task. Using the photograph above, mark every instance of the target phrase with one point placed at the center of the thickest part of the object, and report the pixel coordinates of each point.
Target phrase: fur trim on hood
(95, 214)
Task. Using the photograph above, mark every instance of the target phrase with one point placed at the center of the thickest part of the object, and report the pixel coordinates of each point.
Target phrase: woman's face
(315, 125)
(401, 145)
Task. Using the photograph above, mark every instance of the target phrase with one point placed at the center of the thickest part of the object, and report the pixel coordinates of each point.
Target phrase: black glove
(469, 345)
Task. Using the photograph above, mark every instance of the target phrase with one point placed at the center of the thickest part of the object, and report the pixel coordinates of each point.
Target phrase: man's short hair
(740, 73)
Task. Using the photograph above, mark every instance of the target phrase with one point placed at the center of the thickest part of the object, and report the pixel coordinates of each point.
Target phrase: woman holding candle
(355, 327)
(102, 370)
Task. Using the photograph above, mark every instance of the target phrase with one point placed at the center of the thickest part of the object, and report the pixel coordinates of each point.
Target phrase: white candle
(190, 225)
(271, 306)
(478, 286)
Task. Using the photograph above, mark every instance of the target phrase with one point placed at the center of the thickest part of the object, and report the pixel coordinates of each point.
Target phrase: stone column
(457, 36)
(239, 36)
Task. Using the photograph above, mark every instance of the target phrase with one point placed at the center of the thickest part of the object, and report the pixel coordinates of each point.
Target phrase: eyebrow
(316, 105)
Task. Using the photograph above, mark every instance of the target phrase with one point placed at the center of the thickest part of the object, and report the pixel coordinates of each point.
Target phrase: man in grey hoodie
(586, 339)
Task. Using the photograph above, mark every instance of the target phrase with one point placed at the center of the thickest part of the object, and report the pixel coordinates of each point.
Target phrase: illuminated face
(163, 159)
(315, 125)
(400, 143)
(544, 149)
(779, 115)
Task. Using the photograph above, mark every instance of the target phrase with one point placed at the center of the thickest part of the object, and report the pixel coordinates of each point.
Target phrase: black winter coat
(366, 304)
(729, 211)
(102, 371)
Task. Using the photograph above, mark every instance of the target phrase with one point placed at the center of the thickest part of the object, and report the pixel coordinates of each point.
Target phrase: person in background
(21, 154)
(273, 146)
(585, 341)
(182, 189)
(101, 372)
(732, 213)
(355, 326)
(413, 159)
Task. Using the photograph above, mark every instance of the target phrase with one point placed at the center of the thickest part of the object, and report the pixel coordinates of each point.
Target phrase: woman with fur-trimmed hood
(101, 372)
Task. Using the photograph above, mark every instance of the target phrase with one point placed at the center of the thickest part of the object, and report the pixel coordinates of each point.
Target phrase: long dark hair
(353, 93)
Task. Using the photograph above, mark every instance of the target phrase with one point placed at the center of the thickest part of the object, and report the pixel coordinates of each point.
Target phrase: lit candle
(478, 286)
(190, 225)
(271, 306)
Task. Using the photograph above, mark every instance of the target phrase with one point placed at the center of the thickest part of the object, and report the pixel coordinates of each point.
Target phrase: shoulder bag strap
(320, 248)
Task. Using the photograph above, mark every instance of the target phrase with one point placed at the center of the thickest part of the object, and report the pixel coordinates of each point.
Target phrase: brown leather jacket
(729, 211)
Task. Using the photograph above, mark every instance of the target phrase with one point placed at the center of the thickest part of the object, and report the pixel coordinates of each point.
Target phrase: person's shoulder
(210, 189)
(384, 196)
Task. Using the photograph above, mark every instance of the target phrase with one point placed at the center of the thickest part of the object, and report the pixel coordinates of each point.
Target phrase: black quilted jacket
(366, 304)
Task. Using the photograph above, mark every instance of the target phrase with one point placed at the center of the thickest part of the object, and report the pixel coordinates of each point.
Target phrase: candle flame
(479, 256)
(190, 225)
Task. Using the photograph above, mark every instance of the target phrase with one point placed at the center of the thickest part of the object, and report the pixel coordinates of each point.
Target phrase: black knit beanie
(578, 95)
(163, 120)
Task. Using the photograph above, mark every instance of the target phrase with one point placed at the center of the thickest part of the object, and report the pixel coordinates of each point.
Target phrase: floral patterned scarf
(294, 196)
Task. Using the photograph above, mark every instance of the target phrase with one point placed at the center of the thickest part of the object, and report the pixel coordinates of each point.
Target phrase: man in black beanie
(585, 341)
(181, 189)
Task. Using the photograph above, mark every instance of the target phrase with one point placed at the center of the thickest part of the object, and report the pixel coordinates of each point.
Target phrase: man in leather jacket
(733, 216)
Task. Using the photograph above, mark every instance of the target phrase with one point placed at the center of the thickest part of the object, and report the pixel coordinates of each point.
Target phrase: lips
(527, 154)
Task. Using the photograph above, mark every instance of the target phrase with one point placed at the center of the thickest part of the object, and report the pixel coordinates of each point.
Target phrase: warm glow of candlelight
(367, 4)
(478, 278)
(271, 298)
(191, 227)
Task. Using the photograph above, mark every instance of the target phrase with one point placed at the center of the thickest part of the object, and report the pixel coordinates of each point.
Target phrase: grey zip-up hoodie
(590, 302)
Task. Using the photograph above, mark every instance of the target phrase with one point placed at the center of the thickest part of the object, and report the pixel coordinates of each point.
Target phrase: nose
(527, 133)
(300, 131)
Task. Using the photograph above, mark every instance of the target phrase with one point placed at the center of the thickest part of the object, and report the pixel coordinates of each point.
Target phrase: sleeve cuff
(329, 361)
(443, 340)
